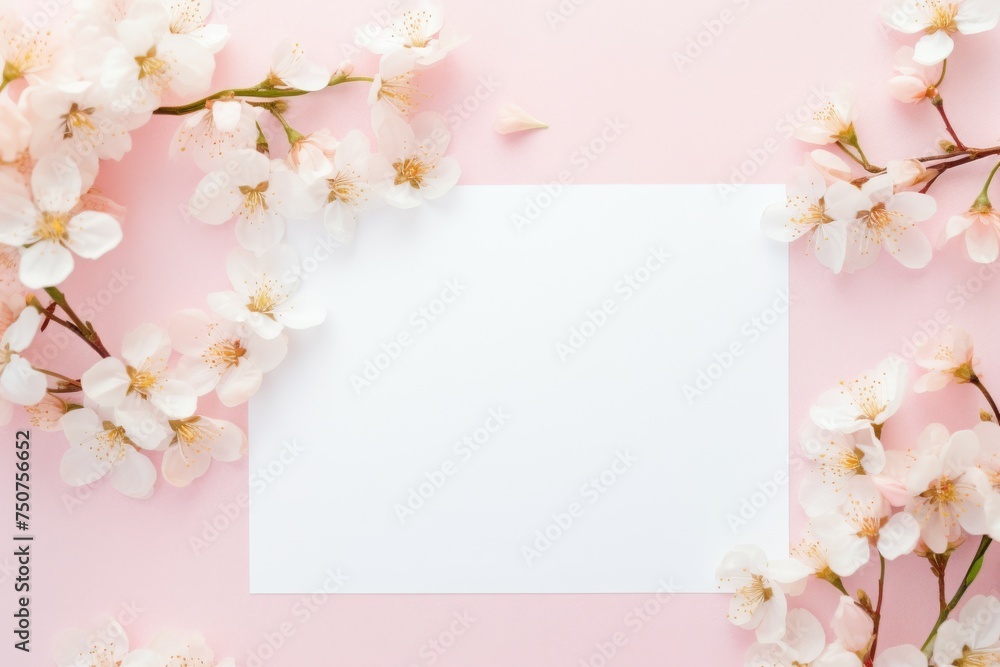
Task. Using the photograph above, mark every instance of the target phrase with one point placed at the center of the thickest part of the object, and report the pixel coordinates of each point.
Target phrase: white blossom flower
(852, 626)
(392, 92)
(47, 413)
(837, 459)
(142, 372)
(221, 127)
(418, 31)
(946, 493)
(981, 225)
(914, 82)
(512, 118)
(25, 50)
(265, 293)
(196, 443)
(879, 216)
(866, 401)
(803, 642)
(973, 638)
(99, 446)
(259, 192)
(759, 588)
(346, 191)
(938, 20)
(77, 120)
(311, 156)
(804, 213)
(950, 359)
(105, 643)
(412, 157)
(291, 69)
(223, 356)
(907, 173)
(832, 122)
(188, 19)
(19, 381)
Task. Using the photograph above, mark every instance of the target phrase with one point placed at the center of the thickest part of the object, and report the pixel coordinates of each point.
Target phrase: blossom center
(343, 188)
(140, 381)
(415, 24)
(943, 17)
(110, 444)
(52, 226)
(978, 657)
(262, 302)
(943, 492)
(757, 592)
(396, 92)
(253, 197)
(77, 119)
(850, 462)
(410, 170)
(226, 354)
(150, 67)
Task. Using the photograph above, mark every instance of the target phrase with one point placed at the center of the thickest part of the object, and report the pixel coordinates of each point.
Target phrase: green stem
(938, 103)
(82, 329)
(970, 576)
(944, 70)
(59, 376)
(982, 202)
(259, 91)
(290, 132)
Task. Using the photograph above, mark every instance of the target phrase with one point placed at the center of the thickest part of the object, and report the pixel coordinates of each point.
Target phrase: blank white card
(525, 390)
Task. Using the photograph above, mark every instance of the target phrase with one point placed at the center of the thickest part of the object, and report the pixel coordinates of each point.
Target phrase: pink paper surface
(97, 552)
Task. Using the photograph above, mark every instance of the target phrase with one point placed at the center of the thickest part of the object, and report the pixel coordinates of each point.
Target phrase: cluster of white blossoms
(106, 643)
(865, 503)
(71, 95)
(848, 219)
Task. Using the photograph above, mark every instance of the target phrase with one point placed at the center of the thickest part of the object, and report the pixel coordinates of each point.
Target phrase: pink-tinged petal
(956, 225)
(975, 16)
(512, 118)
(188, 331)
(899, 536)
(17, 219)
(92, 234)
(239, 384)
(981, 241)
(933, 48)
(45, 264)
(395, 137)
(229, 305)
(146, 341)
(893, 490)
(56, 184)
(231, 444)
(134, 476)
(829, 243)
(908, 89)
(216, 199)
(177, 399)
(901, 656)
(106, 382)
(805, 635)
(910, 248)
(852, 625)
(933, 381)
(180, 469)
(829, 165)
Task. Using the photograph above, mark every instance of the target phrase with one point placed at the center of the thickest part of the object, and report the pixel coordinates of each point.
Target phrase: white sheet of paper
(503, 397)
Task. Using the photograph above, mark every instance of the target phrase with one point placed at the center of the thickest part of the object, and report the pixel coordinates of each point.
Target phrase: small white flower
(223, 356)
(512, 118)
(865, 402)
(852, 626)
(981, 225)
(418, 31)
(804, 213)
(838, 459)
(47, 229)
(759, 588)
(291, 69)
(25, 50)
(412, 158)
(346, 191)
(832, 122)
(77, 120)
(950, 359)
(878, 217)
(188, 19)
(99, 446)
(142, 372)
(259, 192)
(393, 91)
(221, 127)
(196, 443)
(938, 20)
(311, 156)
(264, 295)
(103, 644)
(973, 638)
(803, 642)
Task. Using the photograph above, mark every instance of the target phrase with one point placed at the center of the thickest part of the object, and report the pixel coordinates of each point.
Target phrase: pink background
(97, 551)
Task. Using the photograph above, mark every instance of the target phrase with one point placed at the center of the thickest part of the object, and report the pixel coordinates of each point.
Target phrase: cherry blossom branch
(939, 565)
(970, 576)
(262, 90)
(85, 330)
(938, 104)
(976, 382)
(877, 614)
